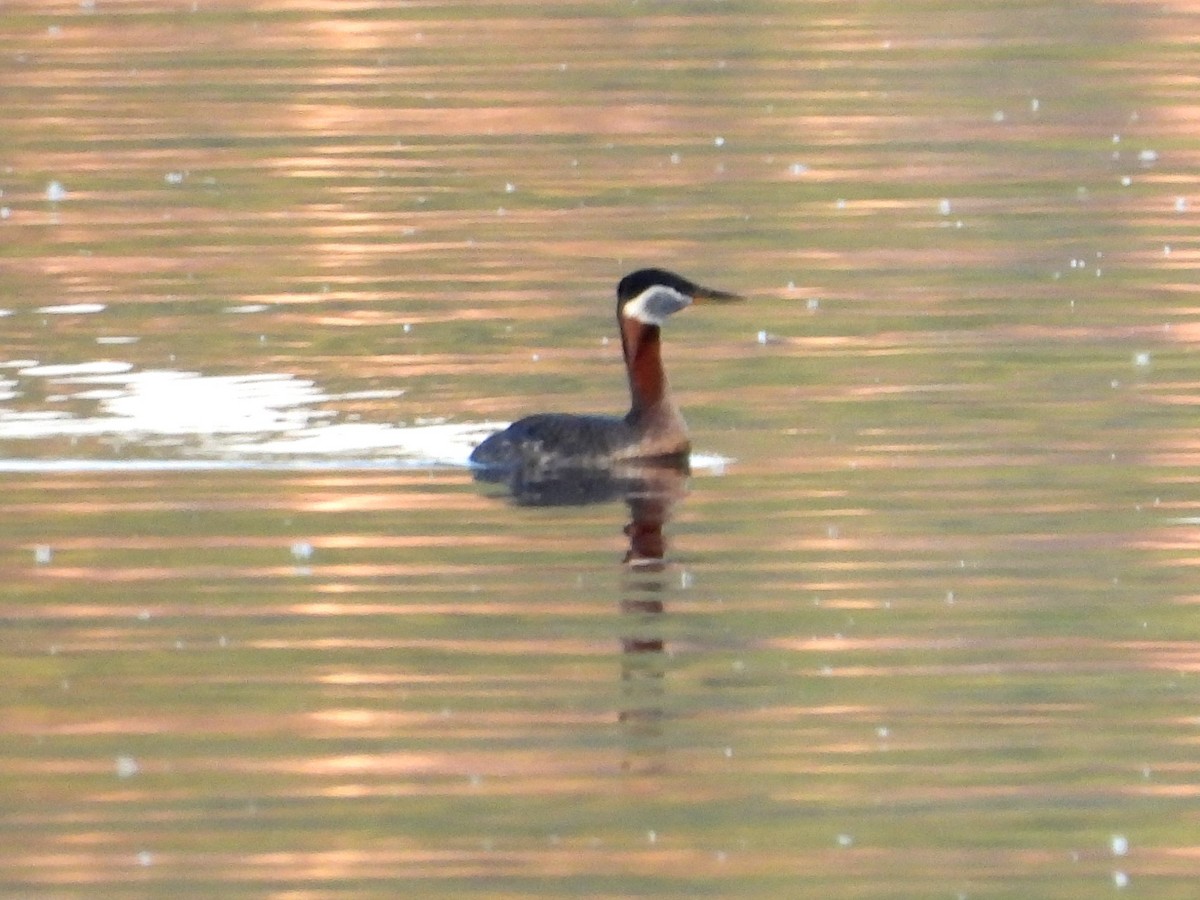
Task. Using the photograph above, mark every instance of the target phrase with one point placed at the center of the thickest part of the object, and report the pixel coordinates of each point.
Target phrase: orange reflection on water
(1174, 656)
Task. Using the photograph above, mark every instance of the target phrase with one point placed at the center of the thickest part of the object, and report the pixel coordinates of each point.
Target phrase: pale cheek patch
(653, 305)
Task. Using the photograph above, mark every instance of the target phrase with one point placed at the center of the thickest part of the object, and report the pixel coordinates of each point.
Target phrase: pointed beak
(711, 295)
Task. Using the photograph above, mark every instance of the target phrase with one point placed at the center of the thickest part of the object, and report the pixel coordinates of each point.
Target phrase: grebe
(653, 429)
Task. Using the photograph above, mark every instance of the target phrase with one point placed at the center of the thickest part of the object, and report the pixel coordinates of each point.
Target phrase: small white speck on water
(174, 177)
(1116, 139)
(302, 550)
(798, 168)
(840, 204)
(1120, 880)
(1181, 204)
(845, 840)
(1119, 845)
(127, 767)
(145, 858)
(686, 580)
(652, 836)
(144, 615)
(1035, 104)
(763, 337)
(949, 598)
(510, 188)
(475, 780)
(407, 328)
(55, 192)
(676, 159)
(944, 207)
(42, 554)
(1141, 359)
(812, 304)
(883, 732)
(998, 116)
(536, 357)
(719, 142)
(1147, 157)
(1166, 249)
(1126, 181)
(729, 753)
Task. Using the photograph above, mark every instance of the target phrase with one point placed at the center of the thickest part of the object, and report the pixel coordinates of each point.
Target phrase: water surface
(920, 624)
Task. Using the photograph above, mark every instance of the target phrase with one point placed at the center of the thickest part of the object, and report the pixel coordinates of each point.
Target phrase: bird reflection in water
(645, 583)
(650, 490)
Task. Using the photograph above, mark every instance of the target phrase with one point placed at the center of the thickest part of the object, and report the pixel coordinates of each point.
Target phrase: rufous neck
(648, 386)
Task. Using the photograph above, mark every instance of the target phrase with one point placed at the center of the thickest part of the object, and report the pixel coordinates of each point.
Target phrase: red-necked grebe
(652, 429)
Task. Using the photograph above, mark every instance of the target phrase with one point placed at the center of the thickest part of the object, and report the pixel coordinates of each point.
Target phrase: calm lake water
(923, 620)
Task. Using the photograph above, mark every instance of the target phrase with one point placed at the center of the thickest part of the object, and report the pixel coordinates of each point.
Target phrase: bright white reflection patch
(218, 415)
(710, 463)
(69, 309)
(76, 369)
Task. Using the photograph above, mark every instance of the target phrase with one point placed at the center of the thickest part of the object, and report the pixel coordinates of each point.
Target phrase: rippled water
(922, 621)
